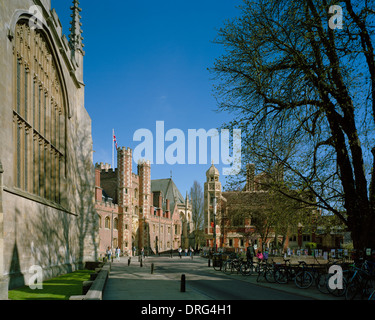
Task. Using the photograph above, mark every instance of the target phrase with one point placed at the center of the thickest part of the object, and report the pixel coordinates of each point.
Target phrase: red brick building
(233, 231)
(135, 211)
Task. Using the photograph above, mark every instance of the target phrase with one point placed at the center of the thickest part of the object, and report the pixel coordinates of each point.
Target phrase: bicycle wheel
(369, 288)
(321, 282)
(237, 265)
(258, 267)
(261, 274)
(281, 275)
(227, 268)
(246, 269)
(269, 275)
(218, 265)
(337, 292)
(303, 279)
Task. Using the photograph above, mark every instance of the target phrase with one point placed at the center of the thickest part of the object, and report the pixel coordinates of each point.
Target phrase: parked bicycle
(267, 272)
(286, 272)
(217, 261)
(249, 267)
(323, 276)
(303, 277)
(362, 282)
(232, 264)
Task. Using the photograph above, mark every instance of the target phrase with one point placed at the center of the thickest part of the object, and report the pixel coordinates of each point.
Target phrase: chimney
(168, 213)
(157, 199)
(160, 204)
(250, 173)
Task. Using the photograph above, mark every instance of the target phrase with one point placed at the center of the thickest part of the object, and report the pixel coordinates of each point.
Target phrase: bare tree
(196, 195)
(304, 95)
(265, 214)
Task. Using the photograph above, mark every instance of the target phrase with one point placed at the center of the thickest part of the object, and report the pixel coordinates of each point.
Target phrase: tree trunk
(361, 225)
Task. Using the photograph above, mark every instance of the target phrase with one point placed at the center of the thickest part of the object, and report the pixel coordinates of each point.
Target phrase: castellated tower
(134, 220)
(145, 201)
(144, 172)
(124, 182)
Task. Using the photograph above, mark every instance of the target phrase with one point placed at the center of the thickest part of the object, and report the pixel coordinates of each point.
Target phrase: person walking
(118, 252)
(109, 253)
(179, 252)
(250, 253)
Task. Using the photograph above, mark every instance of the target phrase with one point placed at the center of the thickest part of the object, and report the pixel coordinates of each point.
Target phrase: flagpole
(113, 148)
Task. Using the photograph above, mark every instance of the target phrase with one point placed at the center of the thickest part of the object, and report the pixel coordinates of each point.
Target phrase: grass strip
(59, 288)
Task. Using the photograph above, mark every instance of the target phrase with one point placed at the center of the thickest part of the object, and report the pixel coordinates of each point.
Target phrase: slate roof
(169, 190)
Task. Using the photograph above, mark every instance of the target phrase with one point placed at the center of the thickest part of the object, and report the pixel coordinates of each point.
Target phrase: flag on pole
(114, 142)
(114, 139)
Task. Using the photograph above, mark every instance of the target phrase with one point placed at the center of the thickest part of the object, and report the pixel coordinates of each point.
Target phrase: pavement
(133, 282)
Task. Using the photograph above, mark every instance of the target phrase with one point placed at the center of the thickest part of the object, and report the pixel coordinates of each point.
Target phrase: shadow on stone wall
(57, 240)
(16, 277)
(88, 218)
(81, 186)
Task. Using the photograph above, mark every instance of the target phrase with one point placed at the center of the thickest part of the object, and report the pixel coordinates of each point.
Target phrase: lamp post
(159, 247)
(171, 238)
(214, 207)
(111, 232)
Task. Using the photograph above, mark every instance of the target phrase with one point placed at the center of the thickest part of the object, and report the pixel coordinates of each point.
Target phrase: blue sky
(147, 61)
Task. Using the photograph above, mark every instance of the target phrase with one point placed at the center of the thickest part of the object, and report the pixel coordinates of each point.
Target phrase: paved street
(202, 283)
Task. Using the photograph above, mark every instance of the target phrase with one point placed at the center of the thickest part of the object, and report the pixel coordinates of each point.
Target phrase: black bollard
(141, 263)
(129, 260)
(152, 268)
(183, 280)
(209, 262)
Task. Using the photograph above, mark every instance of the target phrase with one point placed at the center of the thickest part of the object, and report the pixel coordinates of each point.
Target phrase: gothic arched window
(107, 222)
(39, 116)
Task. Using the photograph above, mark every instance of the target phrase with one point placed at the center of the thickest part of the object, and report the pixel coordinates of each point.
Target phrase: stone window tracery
(39, 116)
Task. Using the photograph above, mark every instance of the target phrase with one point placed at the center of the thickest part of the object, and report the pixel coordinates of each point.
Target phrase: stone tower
(124, 182)
(212, 189)
(145, 201)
